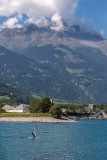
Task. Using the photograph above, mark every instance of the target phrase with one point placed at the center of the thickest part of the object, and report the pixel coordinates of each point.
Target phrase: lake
(84, 140)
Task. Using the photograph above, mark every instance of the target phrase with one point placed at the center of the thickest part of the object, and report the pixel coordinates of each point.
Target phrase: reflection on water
(85, 140)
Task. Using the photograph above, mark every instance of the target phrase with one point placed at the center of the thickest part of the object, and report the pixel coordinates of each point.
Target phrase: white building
(22, 108)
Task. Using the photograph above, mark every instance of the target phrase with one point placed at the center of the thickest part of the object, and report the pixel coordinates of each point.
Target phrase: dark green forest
(9, 95)
(77, 76)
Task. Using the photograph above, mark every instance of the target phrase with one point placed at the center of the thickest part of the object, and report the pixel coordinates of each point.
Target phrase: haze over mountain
(69, 64)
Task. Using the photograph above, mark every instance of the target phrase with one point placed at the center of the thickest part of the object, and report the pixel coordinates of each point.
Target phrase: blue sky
(16, 13)
(96, 10)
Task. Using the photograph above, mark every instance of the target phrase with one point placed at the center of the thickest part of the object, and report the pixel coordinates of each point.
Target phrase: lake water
(84, 140)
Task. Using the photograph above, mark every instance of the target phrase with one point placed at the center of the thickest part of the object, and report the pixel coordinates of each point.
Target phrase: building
(22, 108)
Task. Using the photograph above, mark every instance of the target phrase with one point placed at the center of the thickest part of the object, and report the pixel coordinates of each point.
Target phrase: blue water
(84, 140)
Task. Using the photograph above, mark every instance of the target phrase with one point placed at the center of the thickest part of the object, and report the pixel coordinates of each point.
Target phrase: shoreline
(36, 119)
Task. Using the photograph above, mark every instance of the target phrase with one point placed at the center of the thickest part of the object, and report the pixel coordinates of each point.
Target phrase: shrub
(2, 110)
(55, 111)
(44, 105)
(34, 106)
(40, 106)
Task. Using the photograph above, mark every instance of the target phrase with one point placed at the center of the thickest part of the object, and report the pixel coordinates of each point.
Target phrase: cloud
(11, 23)
(40, 11)
(57, 22)
(66, 9)
(20, 16)
(37, 10)
(37, 21)
(101, 31)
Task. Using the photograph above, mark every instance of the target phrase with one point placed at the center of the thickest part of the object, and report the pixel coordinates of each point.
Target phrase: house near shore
(90, 108)
(22, 108)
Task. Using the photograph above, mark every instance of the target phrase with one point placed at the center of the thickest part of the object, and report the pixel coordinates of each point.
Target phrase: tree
(34, 105)
(41, 106)
(44, 105)
(55, 111)
(2, 110)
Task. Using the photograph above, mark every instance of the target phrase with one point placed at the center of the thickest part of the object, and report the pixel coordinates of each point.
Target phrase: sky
(89, 14)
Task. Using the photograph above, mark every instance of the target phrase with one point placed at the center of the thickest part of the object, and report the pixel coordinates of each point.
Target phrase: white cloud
(37, 21)
(56, 22)
(35, 9)
(11, 23)
(38, 8)
(66, 9)
(20, 16)
(101, 31)
(36, 12)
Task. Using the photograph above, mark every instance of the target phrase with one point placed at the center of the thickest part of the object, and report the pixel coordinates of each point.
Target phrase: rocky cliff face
(33, 35)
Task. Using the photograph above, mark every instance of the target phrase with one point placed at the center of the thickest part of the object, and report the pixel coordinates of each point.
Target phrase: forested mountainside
(10, 95)
(45, 63)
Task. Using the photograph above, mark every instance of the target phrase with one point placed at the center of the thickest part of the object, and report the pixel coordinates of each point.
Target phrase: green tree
(34, 106)
(105, 109)
(55, 111)
(2, 110)
(44, 105)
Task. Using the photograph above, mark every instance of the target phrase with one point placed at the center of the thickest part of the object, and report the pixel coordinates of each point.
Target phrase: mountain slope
(33, 35)
(73, 36)
(36, 78)
(85, 67)
(9, 94)
(65, 65)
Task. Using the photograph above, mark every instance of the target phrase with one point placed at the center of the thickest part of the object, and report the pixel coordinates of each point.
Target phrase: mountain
(10, 95)
(19, 38)
(35, 78)
(69, 64)
(73, 37)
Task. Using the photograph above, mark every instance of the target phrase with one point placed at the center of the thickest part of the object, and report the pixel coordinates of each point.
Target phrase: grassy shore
(25, 115)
